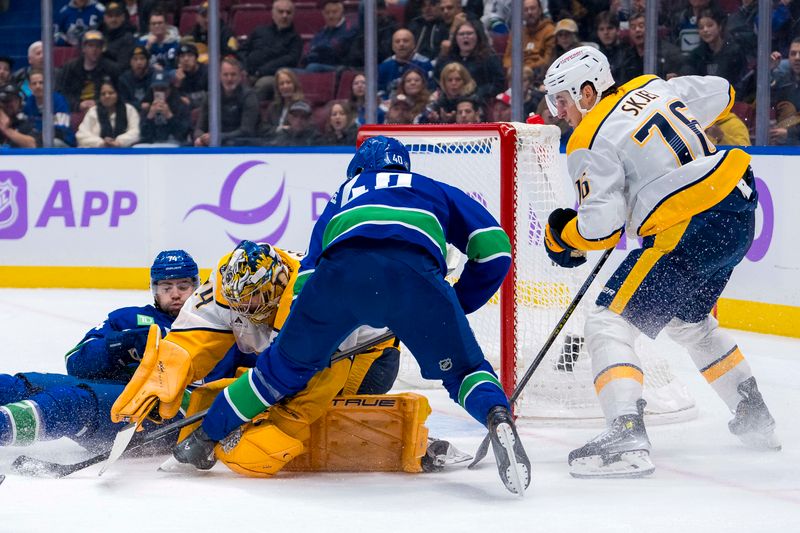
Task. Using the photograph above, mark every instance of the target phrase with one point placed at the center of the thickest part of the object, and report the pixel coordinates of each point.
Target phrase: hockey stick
(32, 466)
(480, 453)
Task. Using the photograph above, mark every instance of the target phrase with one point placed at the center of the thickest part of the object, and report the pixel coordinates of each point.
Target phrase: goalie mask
(568, 73)
(253, 281)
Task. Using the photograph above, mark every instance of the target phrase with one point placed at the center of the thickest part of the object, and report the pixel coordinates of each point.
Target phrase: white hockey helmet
(571, 70)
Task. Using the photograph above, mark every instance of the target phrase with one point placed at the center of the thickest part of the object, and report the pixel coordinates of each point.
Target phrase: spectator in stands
(429, 29)
(390, 70)
(118, 32)
(163, 42)
(502, 107)
(16, 131)
(566, 31)
(300, 130)
(786, 96)
(35, 60)
(75, 19)
(135, 82)
(289, 92)
(399, 110)
(413, 85)
(191, 77)
(669, 57)
(340, 128)
(472, 50)
(538, 39)
(269, 48)
(331, 45)
(619, 56)
(729, 131)
(227, 40)
(741, 27)
(63, 135)
(683, 24)
(239, 116)
(167, 120)
(79, 79)
(497, 16)
(468, 111)
(358, 93)
(387, 25)
(713, 56)
(455, 82)
(111, 123)
(132, 8)
(453, 14)
(6, 69)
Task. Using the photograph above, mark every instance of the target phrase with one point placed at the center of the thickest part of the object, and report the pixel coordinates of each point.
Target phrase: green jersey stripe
(487, 242)
(417, 219)
(25, 421)
(300, 281)
(473, 380)
(493, 257)
(244, 398)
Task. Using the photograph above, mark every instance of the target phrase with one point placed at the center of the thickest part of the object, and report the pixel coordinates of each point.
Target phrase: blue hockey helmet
(377, 153)
(174, 264)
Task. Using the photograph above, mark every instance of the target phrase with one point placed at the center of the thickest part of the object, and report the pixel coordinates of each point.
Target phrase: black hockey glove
(559, 252)
(197, 449)
(127, 346)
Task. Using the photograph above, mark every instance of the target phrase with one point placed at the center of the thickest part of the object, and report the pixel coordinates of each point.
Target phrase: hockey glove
(164, 373)
(559, 252)
(127, 346)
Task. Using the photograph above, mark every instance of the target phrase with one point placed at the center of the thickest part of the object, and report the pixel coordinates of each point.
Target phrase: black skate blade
(514, 474)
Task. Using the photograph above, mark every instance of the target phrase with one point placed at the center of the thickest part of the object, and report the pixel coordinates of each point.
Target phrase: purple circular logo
(761, 243)
(256, 215)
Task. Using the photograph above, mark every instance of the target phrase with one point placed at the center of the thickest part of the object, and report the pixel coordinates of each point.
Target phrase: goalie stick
(480, 453)
(32, 466)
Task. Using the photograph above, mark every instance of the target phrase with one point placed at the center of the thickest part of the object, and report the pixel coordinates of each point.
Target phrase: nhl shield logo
(445, 364)
(13, 202)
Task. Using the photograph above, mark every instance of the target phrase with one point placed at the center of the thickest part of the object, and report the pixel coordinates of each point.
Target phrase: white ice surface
(705, 481)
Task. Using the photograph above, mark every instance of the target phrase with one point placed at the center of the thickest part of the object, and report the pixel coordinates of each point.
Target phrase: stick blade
(480, 453)
(121, 442)
(31, 466)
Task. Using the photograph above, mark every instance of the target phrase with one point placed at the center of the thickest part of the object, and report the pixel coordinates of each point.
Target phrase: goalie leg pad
(258, 449)
(380, 433)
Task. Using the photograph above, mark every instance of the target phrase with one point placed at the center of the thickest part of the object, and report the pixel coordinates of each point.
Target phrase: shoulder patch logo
(144, 320)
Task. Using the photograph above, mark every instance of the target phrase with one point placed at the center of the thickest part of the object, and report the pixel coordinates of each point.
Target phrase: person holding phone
(166, 120)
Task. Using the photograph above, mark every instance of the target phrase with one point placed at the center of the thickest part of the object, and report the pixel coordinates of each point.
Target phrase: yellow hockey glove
(163, 374)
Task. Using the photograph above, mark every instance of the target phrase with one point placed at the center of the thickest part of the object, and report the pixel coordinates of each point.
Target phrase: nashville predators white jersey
(641, 160)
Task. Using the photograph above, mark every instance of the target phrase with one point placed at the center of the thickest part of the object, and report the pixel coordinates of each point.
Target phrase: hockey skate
(512, 462)
(752, 422)
(623, 450)
(440, 454)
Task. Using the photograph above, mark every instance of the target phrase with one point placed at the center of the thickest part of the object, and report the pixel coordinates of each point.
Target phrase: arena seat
(345, 83)
(308, 21)
(247, 17)
(318, 88)
(62, 54)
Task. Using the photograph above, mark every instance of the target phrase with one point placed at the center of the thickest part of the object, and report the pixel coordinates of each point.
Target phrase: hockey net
(513, 169)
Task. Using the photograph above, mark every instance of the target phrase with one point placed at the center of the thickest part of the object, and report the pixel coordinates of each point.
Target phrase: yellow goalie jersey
(207, 326)
(640, 159)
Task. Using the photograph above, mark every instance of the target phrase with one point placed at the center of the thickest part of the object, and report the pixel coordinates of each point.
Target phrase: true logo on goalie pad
(359, 402)
(445, 364)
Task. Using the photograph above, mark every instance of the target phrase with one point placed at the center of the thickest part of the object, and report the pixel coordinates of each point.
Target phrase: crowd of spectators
(137, 79)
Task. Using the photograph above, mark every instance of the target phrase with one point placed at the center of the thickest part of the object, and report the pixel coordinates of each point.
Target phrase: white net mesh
(562, 387)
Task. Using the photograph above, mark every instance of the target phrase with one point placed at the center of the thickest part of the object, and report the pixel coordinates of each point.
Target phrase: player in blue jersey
(377, 258)
(36, 406)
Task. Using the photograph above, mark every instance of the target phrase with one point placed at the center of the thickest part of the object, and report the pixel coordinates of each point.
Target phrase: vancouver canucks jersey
(640, 159)
(405, 207)
(90, 358)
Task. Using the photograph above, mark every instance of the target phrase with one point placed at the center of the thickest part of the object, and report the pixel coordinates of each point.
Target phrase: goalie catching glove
(164, 373)
(559, 252)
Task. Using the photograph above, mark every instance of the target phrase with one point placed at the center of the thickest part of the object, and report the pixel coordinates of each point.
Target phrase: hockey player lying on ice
(39, 406)
(376, 257)
(641, 161)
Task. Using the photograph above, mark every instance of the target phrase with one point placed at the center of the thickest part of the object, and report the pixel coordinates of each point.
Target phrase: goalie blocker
(364, 433)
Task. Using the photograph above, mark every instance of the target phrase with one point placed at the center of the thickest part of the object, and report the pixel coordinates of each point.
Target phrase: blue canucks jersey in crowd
(72, 22)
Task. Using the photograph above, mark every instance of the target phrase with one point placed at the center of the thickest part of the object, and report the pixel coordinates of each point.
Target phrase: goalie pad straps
(258, 449)
(163, 374)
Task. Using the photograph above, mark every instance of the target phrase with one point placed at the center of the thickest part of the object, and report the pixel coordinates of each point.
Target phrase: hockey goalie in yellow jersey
(641, 163)
(234, 316)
